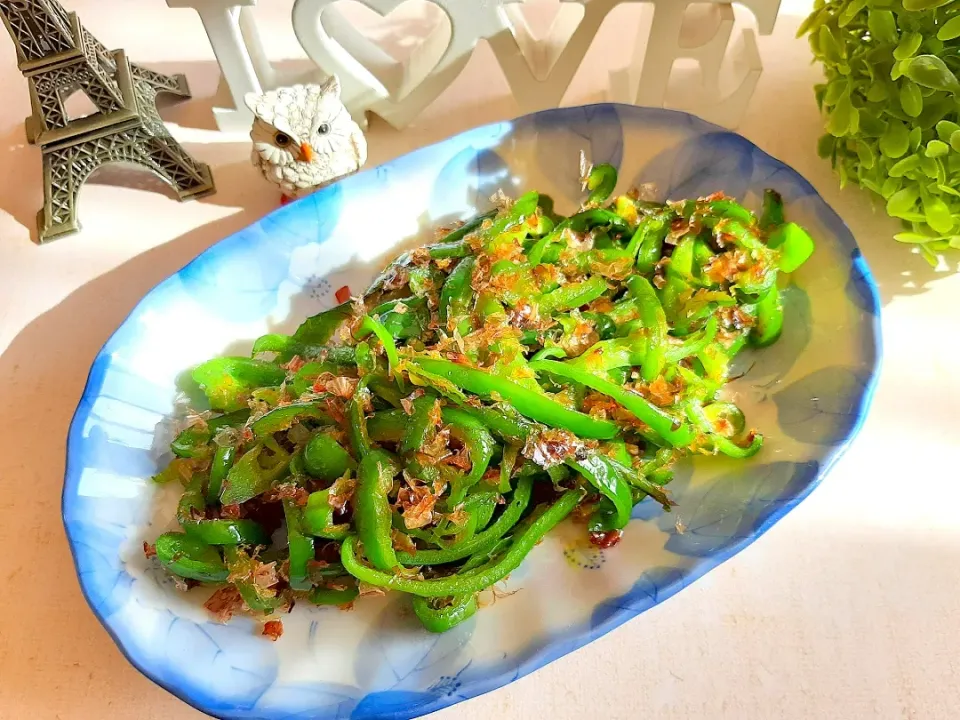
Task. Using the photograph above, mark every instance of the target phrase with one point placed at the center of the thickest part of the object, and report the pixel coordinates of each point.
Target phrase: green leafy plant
(892, 108)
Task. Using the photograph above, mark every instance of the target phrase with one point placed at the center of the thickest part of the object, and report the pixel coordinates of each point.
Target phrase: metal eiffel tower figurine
(58, 56)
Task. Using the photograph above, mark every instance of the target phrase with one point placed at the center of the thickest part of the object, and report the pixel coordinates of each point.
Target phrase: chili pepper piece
(456, 296)
(529, 403)
(328, 596)
(419, 426)
(474, 580)
(654, 319)
(573, 295)
(604, 476)
(250, 477)
(670, 428)
(769, 319)
(190, 558)
(601, 182)
(284, 417)
(479, 444)
(255, 597)
(300, 546)
(795, 246)
(318, 517)
(228, 381)
(320, 328)
(325, 458)
(771, 215)
(482, 541)
(190, 515)
(223, 459)
(439, 620)
(372, 508)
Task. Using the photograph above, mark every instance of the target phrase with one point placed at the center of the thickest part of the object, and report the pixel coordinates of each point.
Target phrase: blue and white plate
(808, 394)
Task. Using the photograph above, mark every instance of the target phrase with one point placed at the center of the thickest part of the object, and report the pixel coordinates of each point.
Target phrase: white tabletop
(848, 608)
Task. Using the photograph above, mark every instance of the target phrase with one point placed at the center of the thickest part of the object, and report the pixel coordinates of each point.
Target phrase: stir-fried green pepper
(423, 436)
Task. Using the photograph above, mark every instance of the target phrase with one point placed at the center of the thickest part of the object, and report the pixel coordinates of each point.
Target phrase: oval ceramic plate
(808, 394)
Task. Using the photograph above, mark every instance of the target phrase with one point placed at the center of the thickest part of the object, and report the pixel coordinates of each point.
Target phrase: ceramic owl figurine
(304, 138)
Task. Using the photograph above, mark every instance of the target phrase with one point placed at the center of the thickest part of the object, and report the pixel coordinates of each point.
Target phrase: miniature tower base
(58, 56)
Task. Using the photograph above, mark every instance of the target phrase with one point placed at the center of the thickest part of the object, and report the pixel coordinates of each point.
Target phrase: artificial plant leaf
(883, 26)
(910, 99)
(841, 117)
(894, 142)
(903, 201)
(930, 71)
(946, 128)
(937, 148)
(937, 214)
(950, 29)
(923, 4)
(908, 45)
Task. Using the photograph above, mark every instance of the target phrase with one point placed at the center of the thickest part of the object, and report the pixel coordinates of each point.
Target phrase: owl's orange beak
(306, 152)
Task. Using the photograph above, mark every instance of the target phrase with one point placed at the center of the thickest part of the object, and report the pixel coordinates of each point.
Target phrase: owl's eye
(323, 129)
(282, 140)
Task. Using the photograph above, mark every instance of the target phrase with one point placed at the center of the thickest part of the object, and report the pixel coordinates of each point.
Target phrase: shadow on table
(40, 590)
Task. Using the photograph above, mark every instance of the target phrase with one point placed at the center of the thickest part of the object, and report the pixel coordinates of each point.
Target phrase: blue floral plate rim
(551, 651)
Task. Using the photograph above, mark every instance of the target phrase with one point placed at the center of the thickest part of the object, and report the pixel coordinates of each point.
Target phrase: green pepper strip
(328, 596)
(771, 215)
(300, 546)
(318, 517)
(453, 246)
(482, 541)
(255, 598)
(214, 532)
(387, 426)
(579, 222)
(606, 355)
(693, 344)
(479, 444)
(373, 517)
(318, 329)
(573, 295)
(728, 414)
(287, 347)
(219, 469)
(725, 445)
(194, 441)
(190, 558)
(654, 319)
(369, 325)
(606, 478)
(674, 431)
(248, 478)
(457, 294)
(527, 402)
(600, 183)
(651, 248)
(462, 607)
(503, 420)
(419, 425)
(795, 246)
(474, 580)
(406, 324)
(227, 381)
(359, 437)
(286, 416)
(769, 319)
(733, 210)
(325, 458)
(640, 482)
(482, 558)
